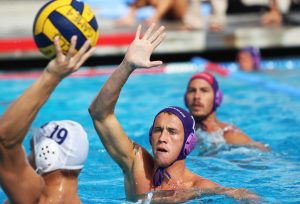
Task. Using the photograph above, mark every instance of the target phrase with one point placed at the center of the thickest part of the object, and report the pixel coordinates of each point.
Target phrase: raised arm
(17, 178)
(115, 140)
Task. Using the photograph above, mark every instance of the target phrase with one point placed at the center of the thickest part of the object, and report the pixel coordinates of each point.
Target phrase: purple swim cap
(188, 123)
(218, 96)
(255, 53)
(189, 141)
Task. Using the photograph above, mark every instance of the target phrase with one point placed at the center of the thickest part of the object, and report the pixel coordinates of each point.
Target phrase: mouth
(197, 106)
(162, 150)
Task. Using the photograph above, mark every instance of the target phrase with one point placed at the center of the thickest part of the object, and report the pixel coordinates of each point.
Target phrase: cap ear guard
(190, 144)
(150, 134)
(47, 155)
(218, 98)
(185, 100)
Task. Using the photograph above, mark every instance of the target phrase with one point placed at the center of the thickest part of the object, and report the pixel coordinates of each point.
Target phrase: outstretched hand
(140, 50)
(63, 65)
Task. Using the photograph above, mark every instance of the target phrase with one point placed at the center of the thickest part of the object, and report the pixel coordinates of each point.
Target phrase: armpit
(136, 148)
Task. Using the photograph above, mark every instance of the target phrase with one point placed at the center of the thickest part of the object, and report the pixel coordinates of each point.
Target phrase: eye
(191, 91)
(172, 131)
(205, 90)
(157, 130)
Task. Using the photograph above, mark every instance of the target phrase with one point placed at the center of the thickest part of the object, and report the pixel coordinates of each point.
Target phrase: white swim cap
(60, 145)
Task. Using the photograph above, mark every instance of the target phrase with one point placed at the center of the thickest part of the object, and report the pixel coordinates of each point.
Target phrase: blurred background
(214, 29)
(221, 36)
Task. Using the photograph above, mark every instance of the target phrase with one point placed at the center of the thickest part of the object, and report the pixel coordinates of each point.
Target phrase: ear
(185, 100)
(47, 155)
(150, 134)
(190, 144)
(218, 98)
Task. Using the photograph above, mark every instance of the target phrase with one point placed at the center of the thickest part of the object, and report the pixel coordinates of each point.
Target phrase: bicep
(115, 140)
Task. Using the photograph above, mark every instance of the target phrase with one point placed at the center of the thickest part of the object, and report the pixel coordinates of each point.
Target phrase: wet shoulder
(233, 135)
(202, 183)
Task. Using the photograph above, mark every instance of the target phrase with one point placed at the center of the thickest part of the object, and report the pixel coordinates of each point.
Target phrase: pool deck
(16, 41)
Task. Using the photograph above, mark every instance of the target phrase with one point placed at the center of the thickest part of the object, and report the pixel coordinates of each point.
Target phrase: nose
(197, 95)
(163, 136)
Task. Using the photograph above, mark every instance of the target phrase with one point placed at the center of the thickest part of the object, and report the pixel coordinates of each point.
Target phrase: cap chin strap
(159, 175)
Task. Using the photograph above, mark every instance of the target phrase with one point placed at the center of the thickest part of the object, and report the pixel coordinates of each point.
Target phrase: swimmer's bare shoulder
(233, 135)
(203, 183)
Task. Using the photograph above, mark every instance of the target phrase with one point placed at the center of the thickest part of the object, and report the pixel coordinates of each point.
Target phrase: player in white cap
(59, 148)
(59, 145)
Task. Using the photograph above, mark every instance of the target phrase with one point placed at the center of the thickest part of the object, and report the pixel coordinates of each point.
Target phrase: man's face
(245, 61)
(199, 98)
(167, 138)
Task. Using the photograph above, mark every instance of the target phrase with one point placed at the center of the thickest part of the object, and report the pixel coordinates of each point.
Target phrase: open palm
(140, 50)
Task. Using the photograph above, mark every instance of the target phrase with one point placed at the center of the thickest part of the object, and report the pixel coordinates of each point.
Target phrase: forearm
(110, 131)
(18, 117)
(105, 102)
(175, 196)
(259, 146)
(238, 193)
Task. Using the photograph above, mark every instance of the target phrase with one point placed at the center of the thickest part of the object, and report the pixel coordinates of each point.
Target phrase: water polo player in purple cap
(249, 59)
(203, 96)
(171, 136)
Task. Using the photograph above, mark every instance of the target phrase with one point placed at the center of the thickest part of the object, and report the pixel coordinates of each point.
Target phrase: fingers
(155, 63)
(155, 35)
(159, 38)
(155, 38)
(72, 49)
(83, 54)
(149, 31)
(59, 54)
(86, 56)
(138, 32)
(83, 49)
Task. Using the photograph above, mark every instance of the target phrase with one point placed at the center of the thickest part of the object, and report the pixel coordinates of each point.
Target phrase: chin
(196, 111)
(161, 162)
(199, 114)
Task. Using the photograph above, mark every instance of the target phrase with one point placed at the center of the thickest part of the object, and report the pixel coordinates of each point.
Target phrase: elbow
(96, 113)
(92, 111)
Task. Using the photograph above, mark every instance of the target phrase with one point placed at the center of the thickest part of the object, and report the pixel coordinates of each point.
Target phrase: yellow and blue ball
(64, 18)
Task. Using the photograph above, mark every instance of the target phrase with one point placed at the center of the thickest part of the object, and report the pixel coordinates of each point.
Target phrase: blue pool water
(268, 115)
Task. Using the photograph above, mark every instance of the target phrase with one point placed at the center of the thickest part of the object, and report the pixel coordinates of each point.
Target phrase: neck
(209, 123)
(61, 185)
(176, 171)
